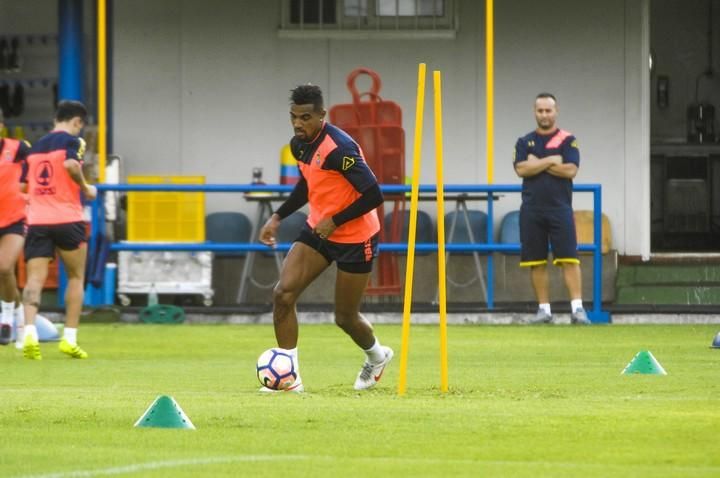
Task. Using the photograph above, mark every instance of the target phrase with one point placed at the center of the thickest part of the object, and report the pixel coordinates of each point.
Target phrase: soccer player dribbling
(13, 155)
(55, 223)
(342, 227)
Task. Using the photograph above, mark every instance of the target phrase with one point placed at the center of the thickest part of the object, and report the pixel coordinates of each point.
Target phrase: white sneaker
(370, 373)
(19, 328)
(296, 387)
(541, 317)
(579, 317)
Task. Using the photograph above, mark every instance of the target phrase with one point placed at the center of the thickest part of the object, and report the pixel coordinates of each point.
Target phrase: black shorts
(41, 241)
(543, 228)
(355, 258)
(14, 228)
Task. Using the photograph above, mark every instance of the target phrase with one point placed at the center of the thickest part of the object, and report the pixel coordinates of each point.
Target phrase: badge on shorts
(347, 163)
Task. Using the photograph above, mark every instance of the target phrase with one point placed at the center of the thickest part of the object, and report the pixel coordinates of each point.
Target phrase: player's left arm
(73, 165)
(356, 171)
(568, 169)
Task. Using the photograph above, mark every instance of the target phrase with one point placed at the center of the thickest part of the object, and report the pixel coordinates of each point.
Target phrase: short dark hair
(546, 95)
(69, 109)
(307, 95)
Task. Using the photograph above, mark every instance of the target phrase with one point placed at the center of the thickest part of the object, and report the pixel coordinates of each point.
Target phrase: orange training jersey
(54, 196)
(13, 155)
(336, 175)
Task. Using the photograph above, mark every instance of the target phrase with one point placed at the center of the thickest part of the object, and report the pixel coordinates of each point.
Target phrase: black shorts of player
(41, 241)
(540, 226)
(14, 228)
(355, 258)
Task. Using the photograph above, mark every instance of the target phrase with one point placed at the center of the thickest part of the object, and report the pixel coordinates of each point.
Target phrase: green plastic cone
(716, 342)
(644, 362)
(164, 413)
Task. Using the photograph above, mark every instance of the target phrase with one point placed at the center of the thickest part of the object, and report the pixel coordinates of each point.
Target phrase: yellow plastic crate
(166, 216)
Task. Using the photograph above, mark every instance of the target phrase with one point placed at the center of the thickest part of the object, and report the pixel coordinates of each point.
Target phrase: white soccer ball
(276, 369)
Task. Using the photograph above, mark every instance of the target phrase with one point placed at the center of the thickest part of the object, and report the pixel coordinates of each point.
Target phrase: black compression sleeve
(298, 198)
(369, 200)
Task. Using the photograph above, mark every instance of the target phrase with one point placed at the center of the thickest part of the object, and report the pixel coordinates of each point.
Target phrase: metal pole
(70, 49)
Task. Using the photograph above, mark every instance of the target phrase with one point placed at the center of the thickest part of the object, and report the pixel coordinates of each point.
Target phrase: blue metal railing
(596, 314)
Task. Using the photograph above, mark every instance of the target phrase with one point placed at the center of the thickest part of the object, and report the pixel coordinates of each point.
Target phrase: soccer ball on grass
(276, 369)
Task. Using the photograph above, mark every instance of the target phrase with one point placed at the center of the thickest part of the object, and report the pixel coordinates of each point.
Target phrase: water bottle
(257, 176)
(257, 181)
(152, 296)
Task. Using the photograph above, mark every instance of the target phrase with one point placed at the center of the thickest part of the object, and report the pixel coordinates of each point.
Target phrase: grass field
(524, 402)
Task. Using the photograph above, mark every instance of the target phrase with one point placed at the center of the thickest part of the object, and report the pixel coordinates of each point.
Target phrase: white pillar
(637, 128)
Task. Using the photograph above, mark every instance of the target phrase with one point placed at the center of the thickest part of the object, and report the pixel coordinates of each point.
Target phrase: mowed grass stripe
(524, 401)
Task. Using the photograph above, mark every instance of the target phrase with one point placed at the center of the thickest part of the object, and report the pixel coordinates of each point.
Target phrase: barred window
(368, 18)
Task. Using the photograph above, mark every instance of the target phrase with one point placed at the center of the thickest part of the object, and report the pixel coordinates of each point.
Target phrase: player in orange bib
(55, 218)
(13, 154)
(342, 227)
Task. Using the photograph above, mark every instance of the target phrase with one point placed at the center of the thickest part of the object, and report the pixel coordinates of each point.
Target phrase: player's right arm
(527, 164)
(73, 166)
(297, 199)
(533, 166)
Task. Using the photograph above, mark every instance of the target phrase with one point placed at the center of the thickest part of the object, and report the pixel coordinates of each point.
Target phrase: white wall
(212, 96)
(202, 88)
(582, 62)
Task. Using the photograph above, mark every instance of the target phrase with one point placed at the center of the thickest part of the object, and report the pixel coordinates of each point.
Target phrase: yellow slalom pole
(442, 296)
(101, 88)
(409, 266)
(490, 93)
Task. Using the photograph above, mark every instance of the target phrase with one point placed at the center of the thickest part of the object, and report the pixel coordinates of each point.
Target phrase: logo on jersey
(44, 173)
(317, 159)
(347, 163)
(574, 144)
(531, 143)
(43, 177)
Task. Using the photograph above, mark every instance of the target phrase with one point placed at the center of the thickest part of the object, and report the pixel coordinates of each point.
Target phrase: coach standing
(548, 159)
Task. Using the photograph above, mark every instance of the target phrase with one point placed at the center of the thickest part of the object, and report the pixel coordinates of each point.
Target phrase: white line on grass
(156, 465)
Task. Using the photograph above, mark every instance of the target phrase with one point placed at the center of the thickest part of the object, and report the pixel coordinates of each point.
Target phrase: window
(407, 8)
(368, 19)
(309, 11)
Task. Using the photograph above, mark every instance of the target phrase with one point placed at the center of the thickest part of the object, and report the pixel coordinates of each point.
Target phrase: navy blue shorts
(354, 258)
(14, 228)
(540, 229)
(41, 240)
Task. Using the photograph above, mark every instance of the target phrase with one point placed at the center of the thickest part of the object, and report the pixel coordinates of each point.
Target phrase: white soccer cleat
(371, 373)
(296, 387)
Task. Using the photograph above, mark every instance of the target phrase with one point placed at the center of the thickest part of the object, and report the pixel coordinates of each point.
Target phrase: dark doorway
(685, 147)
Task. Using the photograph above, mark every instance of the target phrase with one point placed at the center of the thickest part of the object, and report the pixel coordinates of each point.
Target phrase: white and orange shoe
(370, 373)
